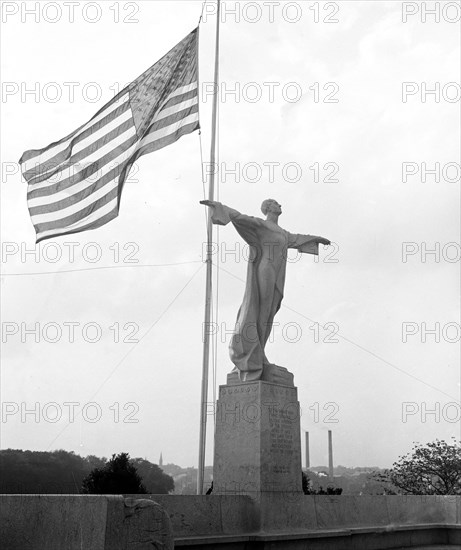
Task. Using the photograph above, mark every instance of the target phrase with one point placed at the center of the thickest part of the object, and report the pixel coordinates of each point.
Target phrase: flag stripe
(164, 113)
(64, 198)
(156, 134)
(41, 155)
(159, 130)
(179, 99)
(57, 173)
(75, 217)
(74, 208)
(98, 133)
(163, 142)
(171, 121)
(91, 221)
(71, 175)
(75, 184)
(159, 143)
(50, 165)
(106, 142)
(184, 89)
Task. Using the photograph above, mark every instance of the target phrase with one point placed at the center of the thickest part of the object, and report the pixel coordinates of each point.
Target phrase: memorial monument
(257, 440)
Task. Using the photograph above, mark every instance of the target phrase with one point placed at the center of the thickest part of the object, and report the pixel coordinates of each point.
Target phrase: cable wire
(131, 266)
(358, 345)
(131, 349)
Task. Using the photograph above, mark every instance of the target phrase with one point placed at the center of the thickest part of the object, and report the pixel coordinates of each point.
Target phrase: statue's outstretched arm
(221, 214)
(309, 244)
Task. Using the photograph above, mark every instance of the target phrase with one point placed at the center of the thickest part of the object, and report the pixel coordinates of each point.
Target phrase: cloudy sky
(332, 116)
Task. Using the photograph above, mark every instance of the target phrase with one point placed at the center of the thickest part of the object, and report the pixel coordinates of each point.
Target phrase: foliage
(431, 469)
(118, 476)
(309, 489)
(63, 472)
(34, 472)
(153, 477)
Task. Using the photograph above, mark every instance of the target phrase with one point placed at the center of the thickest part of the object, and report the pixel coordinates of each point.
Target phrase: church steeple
(160, 460)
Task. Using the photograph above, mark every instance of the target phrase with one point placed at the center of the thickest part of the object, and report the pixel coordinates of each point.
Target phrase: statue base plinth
(271, 373)
(257, 440)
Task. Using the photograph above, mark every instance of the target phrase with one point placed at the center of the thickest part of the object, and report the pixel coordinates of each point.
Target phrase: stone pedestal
(271, 373)
(257, 440)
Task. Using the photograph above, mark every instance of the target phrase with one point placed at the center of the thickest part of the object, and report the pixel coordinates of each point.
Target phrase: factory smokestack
(330, 455)
(308, 459)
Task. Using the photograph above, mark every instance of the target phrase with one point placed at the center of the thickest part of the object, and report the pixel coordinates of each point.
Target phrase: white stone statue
(264, 287)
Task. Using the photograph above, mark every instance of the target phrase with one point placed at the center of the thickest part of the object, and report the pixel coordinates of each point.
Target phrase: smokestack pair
(330, 454)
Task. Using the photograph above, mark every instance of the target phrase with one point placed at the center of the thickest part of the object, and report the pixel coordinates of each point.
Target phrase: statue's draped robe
(264, 285)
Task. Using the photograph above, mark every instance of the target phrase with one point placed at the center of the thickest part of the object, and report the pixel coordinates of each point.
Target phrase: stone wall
(76, 522)
(55, 522)
(206, 515)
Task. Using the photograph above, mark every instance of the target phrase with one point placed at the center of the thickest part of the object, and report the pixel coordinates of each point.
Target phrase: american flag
(75, 184)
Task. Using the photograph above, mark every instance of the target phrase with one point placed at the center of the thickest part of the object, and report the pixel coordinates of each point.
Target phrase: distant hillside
(353, 481)
(346, 471)
(62, 472)
(185, 479)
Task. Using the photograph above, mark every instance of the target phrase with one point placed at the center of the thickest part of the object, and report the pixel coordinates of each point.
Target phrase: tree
(37, 472)
(431, 469)
(117, 477)
(154, 479)
(309, 489)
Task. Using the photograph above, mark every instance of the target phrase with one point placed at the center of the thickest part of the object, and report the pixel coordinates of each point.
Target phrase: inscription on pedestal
(281, 433)
(257, 441)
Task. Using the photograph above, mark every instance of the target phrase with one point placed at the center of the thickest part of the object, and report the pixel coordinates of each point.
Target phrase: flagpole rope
(213, 339)
(203, 9)
(200, 118)
(208, 341)
(214, 309)
(203, 176)
(201, 15)
(215, 351)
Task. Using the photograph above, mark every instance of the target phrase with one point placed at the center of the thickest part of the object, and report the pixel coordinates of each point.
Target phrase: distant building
(160, 460)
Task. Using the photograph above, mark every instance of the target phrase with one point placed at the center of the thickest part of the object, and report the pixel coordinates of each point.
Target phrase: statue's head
(270, 205)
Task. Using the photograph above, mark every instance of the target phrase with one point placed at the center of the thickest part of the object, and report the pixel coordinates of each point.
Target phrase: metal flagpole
(209, 265)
